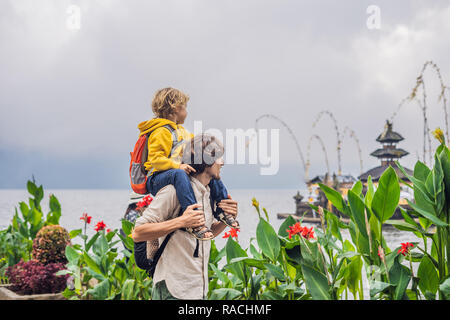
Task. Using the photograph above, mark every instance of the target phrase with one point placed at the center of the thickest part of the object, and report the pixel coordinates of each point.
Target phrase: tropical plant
(16, 241)
(97, 271)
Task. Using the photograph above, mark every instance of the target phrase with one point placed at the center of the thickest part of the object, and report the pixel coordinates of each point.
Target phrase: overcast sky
(71, 99)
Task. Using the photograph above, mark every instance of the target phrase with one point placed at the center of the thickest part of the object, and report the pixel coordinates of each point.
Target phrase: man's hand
(186, 168)
(229, 206)
(192, 218)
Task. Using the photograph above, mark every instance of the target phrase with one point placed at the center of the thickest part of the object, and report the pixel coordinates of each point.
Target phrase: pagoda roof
(389, 153)
(388, 135)
(376, 172)
(342, 179)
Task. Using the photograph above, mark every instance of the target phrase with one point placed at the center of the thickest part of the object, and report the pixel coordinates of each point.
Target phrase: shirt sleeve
(162, 207)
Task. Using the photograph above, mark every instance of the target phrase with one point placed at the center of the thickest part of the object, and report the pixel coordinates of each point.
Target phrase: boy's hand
(187, 168)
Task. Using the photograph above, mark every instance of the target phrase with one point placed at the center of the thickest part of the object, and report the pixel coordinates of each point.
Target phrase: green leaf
(445, 162)
(91, 263)
(316, 283)
(24, 209)
(428, 276)
(92, 241)
(370, 192)
(333, 224)
(127, 226)
(429, 215)
(275, 271)
(75, 233)
(32, 188)
(400, 277)
(421, 171)
(128, 289)
(72, 255)
(357, 188)
(377, 287)
(294, 254)
(271, 295)
(353, 274)
(221, 275)
(402, 225)
(336, 199)
(408, 218)
(234, 250)
(100, 246)
(100, 291)
(289, 221)
(386, 198)
(445, 288)
(55, 211)
(267, 239)
(251, 262)
(357, 208)
(225, 294)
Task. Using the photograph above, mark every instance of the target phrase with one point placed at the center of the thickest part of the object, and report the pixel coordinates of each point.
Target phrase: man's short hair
(202, 151)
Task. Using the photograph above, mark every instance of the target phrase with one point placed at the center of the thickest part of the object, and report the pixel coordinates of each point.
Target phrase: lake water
(110, 205)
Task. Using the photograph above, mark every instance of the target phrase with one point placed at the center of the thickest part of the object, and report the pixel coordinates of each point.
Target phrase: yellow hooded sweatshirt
(160, 144)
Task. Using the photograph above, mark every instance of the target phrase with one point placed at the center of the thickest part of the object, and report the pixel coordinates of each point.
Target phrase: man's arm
(153, 230)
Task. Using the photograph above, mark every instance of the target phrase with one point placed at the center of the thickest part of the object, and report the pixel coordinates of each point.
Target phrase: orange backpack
(138, 174)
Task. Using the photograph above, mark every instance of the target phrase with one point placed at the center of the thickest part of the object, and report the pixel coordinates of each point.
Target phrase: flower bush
(50, 243)
(34, 277)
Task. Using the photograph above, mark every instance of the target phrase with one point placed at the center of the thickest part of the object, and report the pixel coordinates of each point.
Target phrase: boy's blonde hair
(166, 101)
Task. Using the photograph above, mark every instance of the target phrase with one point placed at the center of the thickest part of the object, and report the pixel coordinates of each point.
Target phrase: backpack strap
(161, 248)
(175, 143)
(158, 254)
(160, 251)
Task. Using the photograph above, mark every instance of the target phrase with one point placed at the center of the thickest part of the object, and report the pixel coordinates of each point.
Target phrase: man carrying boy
(179, 274)
(164, 153)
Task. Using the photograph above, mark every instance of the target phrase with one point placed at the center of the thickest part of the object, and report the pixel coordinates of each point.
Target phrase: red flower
(86, 218)
(405, 248)
(308, 233)
(233, 233)
(145, 201)
(100, 226)
(108, 230)
(305, 232)
(296, 228)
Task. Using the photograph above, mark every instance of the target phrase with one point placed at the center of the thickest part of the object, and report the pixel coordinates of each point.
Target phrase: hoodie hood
(150, 125)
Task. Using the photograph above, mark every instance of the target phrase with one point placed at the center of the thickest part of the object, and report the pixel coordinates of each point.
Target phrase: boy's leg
(185, 194)
(218, 193)
(179, 179)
